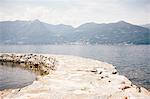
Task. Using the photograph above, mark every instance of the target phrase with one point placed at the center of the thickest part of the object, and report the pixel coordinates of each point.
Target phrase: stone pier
(72, 77)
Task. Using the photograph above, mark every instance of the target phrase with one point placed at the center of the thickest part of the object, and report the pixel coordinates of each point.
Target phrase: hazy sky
(76, 12)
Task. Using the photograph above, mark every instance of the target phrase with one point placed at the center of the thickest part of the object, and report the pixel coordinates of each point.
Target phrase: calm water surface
(132, 61)
(12, 76)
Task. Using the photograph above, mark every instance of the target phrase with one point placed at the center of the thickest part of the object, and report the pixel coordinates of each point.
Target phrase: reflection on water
(130, 60)
(12, 76)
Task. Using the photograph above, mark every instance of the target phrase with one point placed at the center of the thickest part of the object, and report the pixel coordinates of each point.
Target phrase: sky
(76, 12)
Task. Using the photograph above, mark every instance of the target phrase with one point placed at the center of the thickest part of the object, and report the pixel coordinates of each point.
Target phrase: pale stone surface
(79, 78)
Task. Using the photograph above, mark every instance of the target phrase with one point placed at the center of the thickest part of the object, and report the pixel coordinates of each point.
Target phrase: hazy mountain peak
(89, 24)
(122, 22)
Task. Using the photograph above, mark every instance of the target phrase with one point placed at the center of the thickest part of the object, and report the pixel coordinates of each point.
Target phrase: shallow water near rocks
(12, 76)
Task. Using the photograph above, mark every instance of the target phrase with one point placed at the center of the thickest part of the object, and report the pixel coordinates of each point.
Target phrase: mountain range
(37, 32)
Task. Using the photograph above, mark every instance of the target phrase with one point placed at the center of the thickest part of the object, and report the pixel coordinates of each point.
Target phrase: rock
(114, 72)
(44, 63)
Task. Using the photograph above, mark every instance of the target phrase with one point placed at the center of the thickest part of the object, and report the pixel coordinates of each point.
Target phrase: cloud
(76, 12)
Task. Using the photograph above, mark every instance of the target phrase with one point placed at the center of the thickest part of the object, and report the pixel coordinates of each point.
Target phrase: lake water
(132, 61)
(12, 76)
